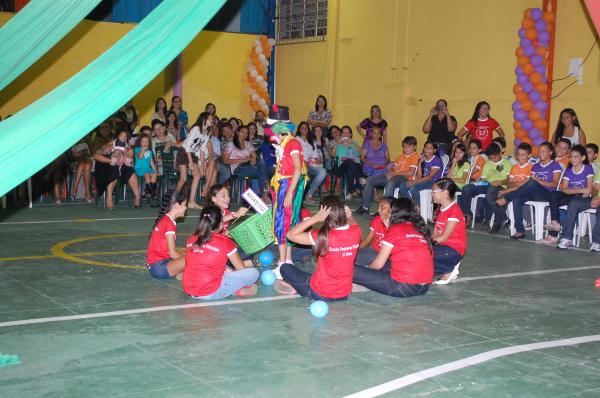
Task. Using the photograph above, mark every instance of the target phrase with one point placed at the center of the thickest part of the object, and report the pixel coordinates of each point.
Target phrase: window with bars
(301, 20)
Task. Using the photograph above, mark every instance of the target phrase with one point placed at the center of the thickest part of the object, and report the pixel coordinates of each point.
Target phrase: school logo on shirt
(482, 133)
(345, 251)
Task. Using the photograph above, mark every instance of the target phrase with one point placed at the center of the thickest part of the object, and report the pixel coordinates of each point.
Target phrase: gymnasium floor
(147, 339)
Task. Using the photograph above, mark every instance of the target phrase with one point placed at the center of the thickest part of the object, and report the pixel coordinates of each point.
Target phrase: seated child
(208, 250)
(145, 167)
(429, 170)
(371, 245)
(121, 154)
(459, 165)
(592, 156)
(408, 244)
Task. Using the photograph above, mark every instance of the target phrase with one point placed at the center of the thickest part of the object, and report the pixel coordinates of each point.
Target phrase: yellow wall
(214, 68)
(405, 54)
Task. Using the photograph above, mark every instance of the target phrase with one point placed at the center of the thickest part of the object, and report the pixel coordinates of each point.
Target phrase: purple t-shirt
(546, 173)
(578, 180)
(427, 165)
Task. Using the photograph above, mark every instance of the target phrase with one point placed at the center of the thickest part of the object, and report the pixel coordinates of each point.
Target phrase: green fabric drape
(39, 133)
(36, 29)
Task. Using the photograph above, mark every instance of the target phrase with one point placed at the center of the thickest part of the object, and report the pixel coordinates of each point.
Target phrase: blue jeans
(577, 206)
(232, 282)
(469, 191)
(317, 176)
(531, 190)
(414, 192)
(159, 269)
(300, 280)
(223, 173)
(380, 281)
(365, 256)
(445, 259)
(380, 181)
(558, 199)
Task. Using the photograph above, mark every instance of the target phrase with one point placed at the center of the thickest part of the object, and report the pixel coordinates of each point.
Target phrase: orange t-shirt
(476, 173)
(405, 163)
(520, 173)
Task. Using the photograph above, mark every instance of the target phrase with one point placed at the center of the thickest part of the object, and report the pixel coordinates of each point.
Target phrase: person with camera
(440, 127)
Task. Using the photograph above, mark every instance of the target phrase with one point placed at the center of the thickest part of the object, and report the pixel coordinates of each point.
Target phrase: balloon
(271, 42)
(544, 79)
(541, 51)
(534, 114)
(262, 102)
(520, 115)
(534, 133)
(541, 106)
(258, 50)
(527, 140)
(529, 50)
(518, 71)
(525, 42)
(527, 23)
(516, 106)
(522, 33)
(527, 124)
(253, 73)
(254, 97)
(544, 37)
(531, 34)
(517, 125)
(259, 78)
(527, 87)
(522, 60)
(521, 97)
(262, 57)
(517, 142)
(536, 60)
(535, 78)
(541, 69)
(527, 13)
(522, 79)
(267, 277)
(535, 96)
(319, 309)
(540, 88)
(527, 105)
(520, 133)
(541, 25)
(538, 141)
(548, 17)
(517, 88)
(541, 124)
(519, 52)
(528, 69)
(536, 13)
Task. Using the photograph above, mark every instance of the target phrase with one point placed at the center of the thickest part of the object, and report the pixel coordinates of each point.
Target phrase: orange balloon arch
(256, 75)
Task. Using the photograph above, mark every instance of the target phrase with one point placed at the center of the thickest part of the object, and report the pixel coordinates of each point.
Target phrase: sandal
(282, 287)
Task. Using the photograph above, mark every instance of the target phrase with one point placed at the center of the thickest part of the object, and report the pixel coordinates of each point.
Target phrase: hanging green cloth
(33, 31)
(39, 133)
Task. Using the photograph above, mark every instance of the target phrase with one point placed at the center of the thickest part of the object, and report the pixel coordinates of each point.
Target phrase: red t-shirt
(304, 214)
(412, 261)
(379, 228)
(157, 245)
(205, 264)
(286, 165)
(226, 212)
(458, 237)
(333, 276)
(483, 131)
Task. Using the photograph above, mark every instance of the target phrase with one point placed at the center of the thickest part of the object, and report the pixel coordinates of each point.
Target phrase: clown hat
(278, 113)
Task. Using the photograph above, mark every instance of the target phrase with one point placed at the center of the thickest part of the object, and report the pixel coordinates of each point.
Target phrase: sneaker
(549, 240)
(564, 244)
(553, 226)
(495, 229)
(277, 271)
(595, 248)
(282, 287)
(447, 278)
(361, 210)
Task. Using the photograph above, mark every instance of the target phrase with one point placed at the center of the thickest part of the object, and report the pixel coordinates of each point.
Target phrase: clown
(287, 185)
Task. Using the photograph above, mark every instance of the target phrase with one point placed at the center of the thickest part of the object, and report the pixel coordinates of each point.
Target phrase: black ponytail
(403, 210)
(168, 200)
(209, 222)
(335, 219)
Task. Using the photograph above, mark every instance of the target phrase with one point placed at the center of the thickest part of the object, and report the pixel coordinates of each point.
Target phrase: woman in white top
(568, 127)
(160, 110)
(241, 158)
(198, 147)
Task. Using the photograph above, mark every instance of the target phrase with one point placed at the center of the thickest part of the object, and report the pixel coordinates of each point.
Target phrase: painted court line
(516, 274)
(416, 377)
(75, 220)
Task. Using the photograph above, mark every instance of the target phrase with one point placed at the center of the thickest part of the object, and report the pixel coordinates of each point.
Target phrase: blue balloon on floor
(266, 258)
(267, 277)
(319, 309)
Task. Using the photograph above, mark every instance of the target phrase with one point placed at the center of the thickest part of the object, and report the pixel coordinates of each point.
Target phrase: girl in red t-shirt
(481, 126)
(162, 258)
(371, 244)
(335, 245)
(208, 251)
(409, 246)
(218, 195)
(450, 232)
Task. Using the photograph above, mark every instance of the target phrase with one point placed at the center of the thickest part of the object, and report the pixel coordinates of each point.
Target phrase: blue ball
(266, 258)
(319, 309)
(267, 277)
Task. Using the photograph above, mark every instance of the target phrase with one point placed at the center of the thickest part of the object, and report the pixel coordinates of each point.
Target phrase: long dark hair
(236, 138)
(312, 137)
(298, 134)
(549, 145)
(581, 150)
(560, 127)
(475, 117)
(168, 200)
(463, 148)
(335, 219)
(167, 120)
(156, 104)
(202, 118)
(209, 104)
(173, 99)
(209, 221)
(403, 210)
(212, 192)
(317, 103)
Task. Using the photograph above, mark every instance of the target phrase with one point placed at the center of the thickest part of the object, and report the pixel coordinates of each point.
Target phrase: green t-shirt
(493, 172)
(459, 172)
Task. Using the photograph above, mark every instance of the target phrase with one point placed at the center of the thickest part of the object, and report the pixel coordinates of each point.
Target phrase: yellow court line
(82, 254)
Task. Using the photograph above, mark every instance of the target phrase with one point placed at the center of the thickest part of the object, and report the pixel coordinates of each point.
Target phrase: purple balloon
(545, 44)
(520, 115)
(522, 79)
(541, 26)
(535, 96)
(541, 69)
(516, 106)
(526, 124)
(544, 79)
(541, 105)
(522, 33)
(539, 141)
(525, 42)
(529, 50)
(537, 60)
(534, 133)
(543, 37)
(527, 87)
(517, 142)
(519, 71)
(536, 14)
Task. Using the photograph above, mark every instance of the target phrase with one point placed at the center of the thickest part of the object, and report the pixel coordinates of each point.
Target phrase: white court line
(76, 220)
(356, 289)
(416, 377)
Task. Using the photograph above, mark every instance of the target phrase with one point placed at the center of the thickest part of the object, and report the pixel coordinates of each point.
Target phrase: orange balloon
(522, 60)
(527, 140)
(516, 125)
(522, 96)
(254, 85)
(527, 105)
(550, 27)
(548, 17)
(527, 13)
(535, 151)
(531, 34)
(535, 78)
(540, 124)
(520, 134)
(541, 51)
(528, 69)
(519, 52)
(541, 88)
(517, 88)
(528, 23)
(535, 115)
